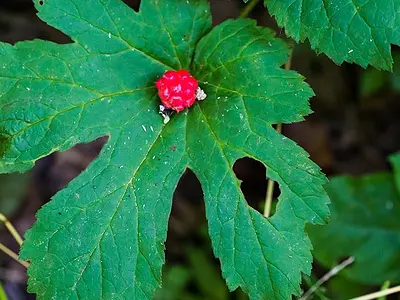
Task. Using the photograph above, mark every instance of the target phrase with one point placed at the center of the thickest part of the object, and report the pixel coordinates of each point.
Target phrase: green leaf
(250, 93)
(3, 295)
(365, 214)
(349, 30)
(372, 81)
(340, 287)
(207, 280)
(103, 236)
(175, 280)
(395, 161)
(395, 76)
(385, 286)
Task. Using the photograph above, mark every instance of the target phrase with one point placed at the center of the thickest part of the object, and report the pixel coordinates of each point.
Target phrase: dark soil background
(352, 131)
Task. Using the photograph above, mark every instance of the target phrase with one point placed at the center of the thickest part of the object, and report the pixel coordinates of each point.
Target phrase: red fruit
(177, 90)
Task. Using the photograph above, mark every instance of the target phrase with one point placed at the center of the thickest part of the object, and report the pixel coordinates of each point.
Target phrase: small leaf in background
(340, 287)
(205, 274)
(364, 224)
(372, 81)
(395, 161)
(353, 31)
(175, 280)
(3, 295)
(395, 76)
(103, 235)
(384, 286)
(12, 188)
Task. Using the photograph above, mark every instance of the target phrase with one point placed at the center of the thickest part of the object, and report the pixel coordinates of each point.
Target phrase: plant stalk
(375, 295)
(248, 8)
(13, 255)
(326, 277)
(11, 229)
(271, 183)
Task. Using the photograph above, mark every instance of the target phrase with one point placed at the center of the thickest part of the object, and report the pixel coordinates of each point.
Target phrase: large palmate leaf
(359, 31)
(103, 236)
(365, 224)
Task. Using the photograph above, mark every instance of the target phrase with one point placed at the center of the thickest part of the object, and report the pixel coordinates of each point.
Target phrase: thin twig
(11, 229)
(271, 183)
(248, 8)
(13, 255)
(288, 64)
(375, 295)
(326, 277)
(271, 186)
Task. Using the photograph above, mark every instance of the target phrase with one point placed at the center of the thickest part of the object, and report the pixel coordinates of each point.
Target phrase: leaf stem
(13, 255)
(11, 229)
(384, 286)
(271, 183)
(271, 186)
(375, 295)
(248, 8)
(326, 277)
(16, 236)
(288, 64)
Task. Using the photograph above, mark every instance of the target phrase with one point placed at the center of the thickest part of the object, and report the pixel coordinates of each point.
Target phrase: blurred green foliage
(373, 81)
(12, 187)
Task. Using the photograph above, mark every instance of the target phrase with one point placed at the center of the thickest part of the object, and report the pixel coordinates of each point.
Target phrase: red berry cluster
(177, 90)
